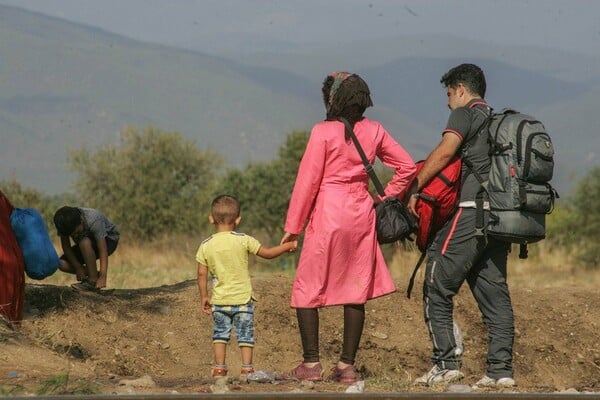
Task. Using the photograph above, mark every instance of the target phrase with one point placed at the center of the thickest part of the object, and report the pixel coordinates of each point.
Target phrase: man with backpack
(461, 250)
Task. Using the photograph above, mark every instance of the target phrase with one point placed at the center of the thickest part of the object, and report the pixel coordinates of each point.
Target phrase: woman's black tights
(308, 323)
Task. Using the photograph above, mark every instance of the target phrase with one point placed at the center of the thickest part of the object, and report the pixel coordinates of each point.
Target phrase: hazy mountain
(66, 85)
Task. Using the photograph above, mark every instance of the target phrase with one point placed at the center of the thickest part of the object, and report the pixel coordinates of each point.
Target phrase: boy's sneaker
(219, 372)
(304, 373)
(86, 286)
(486, 381)
(244, 372)
(437, 375)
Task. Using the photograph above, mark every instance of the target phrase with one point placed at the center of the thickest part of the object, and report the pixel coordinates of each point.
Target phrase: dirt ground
(156, 340)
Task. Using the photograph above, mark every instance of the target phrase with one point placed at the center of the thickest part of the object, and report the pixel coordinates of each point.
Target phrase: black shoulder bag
(394, 221)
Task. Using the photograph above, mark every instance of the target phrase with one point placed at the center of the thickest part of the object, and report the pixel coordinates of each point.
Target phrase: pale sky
(229, 26)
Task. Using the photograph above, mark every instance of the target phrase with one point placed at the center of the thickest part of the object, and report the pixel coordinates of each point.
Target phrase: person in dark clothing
(461, 251)
(95, 238)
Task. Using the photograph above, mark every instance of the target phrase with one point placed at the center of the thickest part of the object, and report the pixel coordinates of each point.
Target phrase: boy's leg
(66, 266)
(89, 257)
(221, 336)
(243, 321)
(220, 351)
(247, 352)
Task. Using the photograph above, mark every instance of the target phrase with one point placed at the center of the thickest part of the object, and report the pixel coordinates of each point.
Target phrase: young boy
(95, 238)
(225, 255)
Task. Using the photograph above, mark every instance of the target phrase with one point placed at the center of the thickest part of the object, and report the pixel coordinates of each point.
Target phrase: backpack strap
(411, 283)
(481, 195)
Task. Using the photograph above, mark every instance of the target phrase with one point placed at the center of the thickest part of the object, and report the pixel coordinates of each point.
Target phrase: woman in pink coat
(341, 262)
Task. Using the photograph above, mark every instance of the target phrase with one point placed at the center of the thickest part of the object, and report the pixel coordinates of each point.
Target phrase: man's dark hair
(225, 209)
(66, 219)
(470, 75)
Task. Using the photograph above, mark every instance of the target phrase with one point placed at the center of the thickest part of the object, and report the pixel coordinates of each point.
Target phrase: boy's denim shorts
(241, 317)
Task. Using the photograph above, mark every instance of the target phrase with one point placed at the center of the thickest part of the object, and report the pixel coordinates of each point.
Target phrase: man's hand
(412, 204)
(101, 282)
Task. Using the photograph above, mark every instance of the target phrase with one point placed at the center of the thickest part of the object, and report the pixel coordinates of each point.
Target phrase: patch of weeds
(60, 384)
(389, 381)
(11, 390)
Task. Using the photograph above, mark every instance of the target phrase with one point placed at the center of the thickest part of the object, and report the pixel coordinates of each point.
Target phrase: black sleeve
(459, 123)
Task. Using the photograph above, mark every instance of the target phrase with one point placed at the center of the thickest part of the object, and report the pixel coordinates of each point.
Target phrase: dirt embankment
(117, 335)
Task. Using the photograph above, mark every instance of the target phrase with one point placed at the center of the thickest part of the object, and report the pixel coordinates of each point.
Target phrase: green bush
(152, 184)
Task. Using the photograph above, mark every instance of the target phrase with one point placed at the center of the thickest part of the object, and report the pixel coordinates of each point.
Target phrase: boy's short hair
(225, 209)
(470, 75)
(66, 219)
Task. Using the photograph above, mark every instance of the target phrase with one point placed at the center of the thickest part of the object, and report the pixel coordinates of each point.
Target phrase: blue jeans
(240, 317)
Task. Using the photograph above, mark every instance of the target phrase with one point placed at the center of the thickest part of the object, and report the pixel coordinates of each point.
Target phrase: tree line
(155, 183)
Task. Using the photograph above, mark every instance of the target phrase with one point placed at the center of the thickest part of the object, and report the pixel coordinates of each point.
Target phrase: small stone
(143, 382)
(356, 387)
(379, 335)
(460, 388)
(164, 310)
(307, 385)
(569, 391)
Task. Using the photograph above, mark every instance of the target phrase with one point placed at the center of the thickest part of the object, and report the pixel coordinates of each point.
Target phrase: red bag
(12, 267)
(437, 201)
(436, 204)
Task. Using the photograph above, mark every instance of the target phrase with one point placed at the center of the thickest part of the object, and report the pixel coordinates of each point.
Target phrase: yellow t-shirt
(226, 256)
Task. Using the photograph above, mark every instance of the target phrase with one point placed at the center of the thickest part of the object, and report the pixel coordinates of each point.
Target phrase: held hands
(293, 245)
(290, 238)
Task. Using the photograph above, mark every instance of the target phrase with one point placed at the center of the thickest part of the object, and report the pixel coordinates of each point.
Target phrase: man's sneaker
(437, 375)
(86, 286)
(486, 381)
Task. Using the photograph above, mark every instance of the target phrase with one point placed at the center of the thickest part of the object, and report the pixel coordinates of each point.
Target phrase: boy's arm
(65, 243)
(272, 252)
(103, 257)
(203, 287)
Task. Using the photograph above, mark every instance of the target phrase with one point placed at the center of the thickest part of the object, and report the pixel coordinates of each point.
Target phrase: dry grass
(163, 262)
(172, 260)
(545, 267)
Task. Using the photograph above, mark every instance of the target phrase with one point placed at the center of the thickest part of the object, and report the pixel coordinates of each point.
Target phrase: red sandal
(343, 375)
(304, 373)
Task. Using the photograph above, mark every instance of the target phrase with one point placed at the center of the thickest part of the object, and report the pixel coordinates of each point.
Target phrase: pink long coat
(341, 262)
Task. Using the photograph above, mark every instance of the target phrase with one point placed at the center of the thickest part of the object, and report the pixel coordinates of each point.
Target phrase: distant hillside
(66, 85)
(558, 87)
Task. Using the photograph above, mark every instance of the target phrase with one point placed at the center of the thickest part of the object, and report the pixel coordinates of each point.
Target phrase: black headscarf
(346, 95)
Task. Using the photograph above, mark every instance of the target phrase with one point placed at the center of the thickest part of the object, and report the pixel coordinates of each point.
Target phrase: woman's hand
(288, 237)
